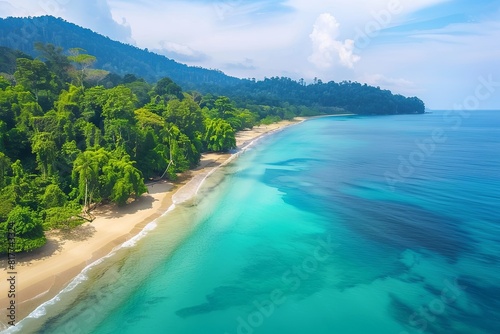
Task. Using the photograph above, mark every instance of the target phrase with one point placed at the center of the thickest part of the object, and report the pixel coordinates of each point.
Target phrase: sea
(351, 224)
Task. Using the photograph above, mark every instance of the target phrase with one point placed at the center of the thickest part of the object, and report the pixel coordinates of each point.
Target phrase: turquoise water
(337, 225)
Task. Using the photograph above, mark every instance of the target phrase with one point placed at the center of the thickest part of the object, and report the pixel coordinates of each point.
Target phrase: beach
(42, 274)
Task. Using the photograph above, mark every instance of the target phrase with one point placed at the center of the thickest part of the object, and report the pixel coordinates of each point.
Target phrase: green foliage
(33, 75)
(64, 217)
(141, 89)
(247, 119)
(55, 60)
(53, 197)
(8, 105)
(101, 175)
(147, 119)
(8, 59)
(119, 134)
(224, 108)
(219, 135)
(82, 62)
(186, 115)
(93, 104)
(27, 227)
(119, 102)
(70, 100)
(87, 169)
(7, 202)
(4, 168)
(121, 180)
(270, 120)
(166, 90)
(4, 83)
(45, 148)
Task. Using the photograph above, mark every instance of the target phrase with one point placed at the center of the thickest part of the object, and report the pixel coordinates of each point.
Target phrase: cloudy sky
(445, 51)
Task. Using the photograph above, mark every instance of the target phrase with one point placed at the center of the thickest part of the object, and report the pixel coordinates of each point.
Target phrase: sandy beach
(40, 275)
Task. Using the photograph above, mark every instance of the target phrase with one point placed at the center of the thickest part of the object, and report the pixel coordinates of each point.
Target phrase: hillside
(122, 59)
(116, 57)
(8, 59)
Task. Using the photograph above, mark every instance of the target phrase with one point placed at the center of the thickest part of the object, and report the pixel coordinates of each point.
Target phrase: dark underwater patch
(405, 226)
(221, 298)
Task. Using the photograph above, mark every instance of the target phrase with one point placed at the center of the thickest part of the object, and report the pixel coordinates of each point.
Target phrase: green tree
(33, 75)
(8, 105)
(120, 102)
(122, 179)
(64, 217)
(93, 103)
(28, 229)
(8, 199)
(141, 89)
(103, 175)
(120, 133)
(224, 108)
(56, 61)
(94, 76)
(91, 133)
(247, 119)
(176, 153)
(86, 172)
(82, 62)
(186, 115)
(147, 119)
(53, 197)
(150, 147)
(70, 100)
(166, 90)
(44, 146)
(219, 135)
(4, 167)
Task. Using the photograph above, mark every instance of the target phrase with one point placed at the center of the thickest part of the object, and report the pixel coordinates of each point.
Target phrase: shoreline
(42, 274)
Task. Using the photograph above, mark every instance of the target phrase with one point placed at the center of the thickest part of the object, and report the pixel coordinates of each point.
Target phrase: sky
(447, 52)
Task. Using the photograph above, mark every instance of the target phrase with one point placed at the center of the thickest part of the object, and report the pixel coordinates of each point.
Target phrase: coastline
(42, 274)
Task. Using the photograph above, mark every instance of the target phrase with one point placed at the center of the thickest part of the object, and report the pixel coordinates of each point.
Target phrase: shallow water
(337, 225)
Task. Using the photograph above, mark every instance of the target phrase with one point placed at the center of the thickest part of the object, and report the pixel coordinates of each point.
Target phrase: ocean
(383, 224)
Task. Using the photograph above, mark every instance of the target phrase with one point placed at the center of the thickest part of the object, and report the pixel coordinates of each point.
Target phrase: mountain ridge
(113, 56)
(121, 59)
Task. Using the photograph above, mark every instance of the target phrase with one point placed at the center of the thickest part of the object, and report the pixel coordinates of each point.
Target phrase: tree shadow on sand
(51, 247)
(109, 211)
(79, 233)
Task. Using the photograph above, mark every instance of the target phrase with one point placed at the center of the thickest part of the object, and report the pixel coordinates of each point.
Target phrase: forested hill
(324, 98)
(121, 59)
(22, 33)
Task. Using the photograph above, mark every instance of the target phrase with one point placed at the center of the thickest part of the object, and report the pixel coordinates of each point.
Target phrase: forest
(68, 143)
(74, 135)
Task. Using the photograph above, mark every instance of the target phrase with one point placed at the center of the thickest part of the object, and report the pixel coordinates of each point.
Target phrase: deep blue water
(336, 225)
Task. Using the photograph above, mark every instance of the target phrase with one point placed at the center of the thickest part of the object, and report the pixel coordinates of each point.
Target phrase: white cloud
(246, 65)
(397, 85)
(226, 35)
(180, 52)
(96, 15)
(327, 49)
